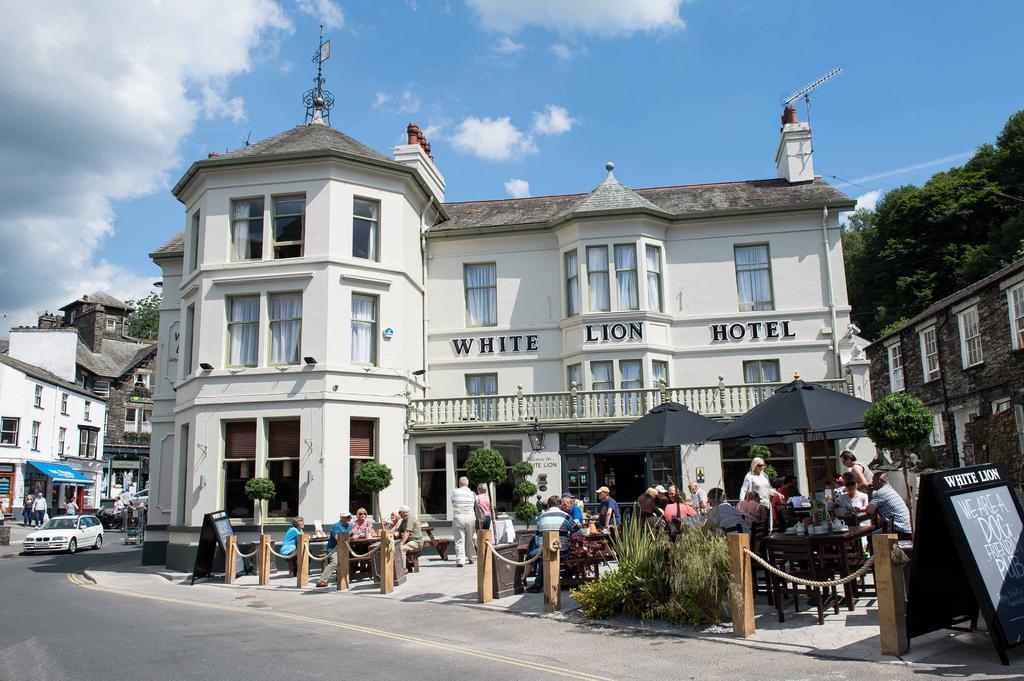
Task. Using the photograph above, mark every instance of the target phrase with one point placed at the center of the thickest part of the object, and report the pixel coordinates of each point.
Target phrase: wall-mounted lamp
(158, 284)
(536, 436)
(419, 372)
(206, 366)
(309, 360)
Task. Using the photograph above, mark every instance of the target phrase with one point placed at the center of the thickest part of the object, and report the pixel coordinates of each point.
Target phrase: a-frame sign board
(968, 555)
(213, 545)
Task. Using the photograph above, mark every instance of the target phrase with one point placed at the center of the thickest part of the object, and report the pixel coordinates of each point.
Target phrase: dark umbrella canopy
(800, 411)
(667, 425)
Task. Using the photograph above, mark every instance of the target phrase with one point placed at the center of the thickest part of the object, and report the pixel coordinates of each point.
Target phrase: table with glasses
(839, 552)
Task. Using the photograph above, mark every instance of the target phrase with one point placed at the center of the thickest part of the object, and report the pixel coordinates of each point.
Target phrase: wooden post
(484, 568)
(264, 557)
(343, 561)
(551, 567)
(302, 561)
(742, 598)
(387, 564)
(892, 604)
(229, 560)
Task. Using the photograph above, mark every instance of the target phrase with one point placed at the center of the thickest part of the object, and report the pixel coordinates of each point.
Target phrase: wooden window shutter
(240, 440)
(283, 439)
(360, 443)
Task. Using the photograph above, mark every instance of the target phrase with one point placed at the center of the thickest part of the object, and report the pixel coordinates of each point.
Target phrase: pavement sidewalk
(18, 534)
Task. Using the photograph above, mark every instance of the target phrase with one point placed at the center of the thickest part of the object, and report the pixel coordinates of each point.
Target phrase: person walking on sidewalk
(72, 508)
(39, 506)
(463, 521)
(344, 524)
(27, 510)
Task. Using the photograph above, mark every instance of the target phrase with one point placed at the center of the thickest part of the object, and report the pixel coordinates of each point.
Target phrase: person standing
(483, 506)
(757, 481)
(463, 522)
(344, 524)
(860, 472)
(71, 508)
(39, 506)
(609, 516)
(27, 510)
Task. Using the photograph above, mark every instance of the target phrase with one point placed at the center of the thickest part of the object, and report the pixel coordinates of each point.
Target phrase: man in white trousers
(463, 522)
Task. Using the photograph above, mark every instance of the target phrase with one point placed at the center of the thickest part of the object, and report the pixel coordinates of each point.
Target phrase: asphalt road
(59, 626)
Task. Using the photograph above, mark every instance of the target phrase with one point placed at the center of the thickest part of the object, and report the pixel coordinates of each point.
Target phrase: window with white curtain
(574, 374)
(481, 281)
(970, 337)
(601, 376)
(365, 229)
(597, 279)
(364, 329)
(483, 384)
(247, 229)
(243, 330)
(895, 353)
(654, 300)
(572, 283)
(659, 372)
(631, 377)
(289, 225)
(754, 278)
(929, 354)
(760, 371)
(285, 327)
(1015, 300)
(625, 277)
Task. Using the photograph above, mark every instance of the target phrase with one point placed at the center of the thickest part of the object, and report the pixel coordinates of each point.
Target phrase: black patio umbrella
(667, 425)
(800, 412)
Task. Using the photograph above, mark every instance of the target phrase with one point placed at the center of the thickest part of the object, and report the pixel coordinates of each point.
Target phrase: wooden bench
(440, 545)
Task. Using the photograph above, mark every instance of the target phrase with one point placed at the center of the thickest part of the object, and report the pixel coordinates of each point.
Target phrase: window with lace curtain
(654, 297)
(597, 279)
(628, 294)
(481, 282)
(754, 278)
(364, 329)
(285, 328)
(572, 283)
(243, 330)
(247, 229)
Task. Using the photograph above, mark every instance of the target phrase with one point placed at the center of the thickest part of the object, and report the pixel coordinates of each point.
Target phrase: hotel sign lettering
(488, 345)
(613, 332)
(724, 333)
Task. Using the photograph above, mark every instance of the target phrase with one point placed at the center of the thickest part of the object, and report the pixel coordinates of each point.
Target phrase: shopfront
(60, 484)
(627, 475)
(7, 501)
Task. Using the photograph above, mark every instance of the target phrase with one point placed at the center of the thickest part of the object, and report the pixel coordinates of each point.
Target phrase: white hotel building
(324, 306)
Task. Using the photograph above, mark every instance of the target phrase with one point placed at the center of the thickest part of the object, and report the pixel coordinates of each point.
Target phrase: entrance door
(623, 474)
(7, 492)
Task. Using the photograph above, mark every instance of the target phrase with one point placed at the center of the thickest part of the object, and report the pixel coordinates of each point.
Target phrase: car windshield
(60, 524)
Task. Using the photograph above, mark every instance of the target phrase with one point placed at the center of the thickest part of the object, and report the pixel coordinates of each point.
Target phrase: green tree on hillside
(144, 319)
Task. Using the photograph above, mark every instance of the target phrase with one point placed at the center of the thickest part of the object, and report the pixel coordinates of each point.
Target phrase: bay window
(654, 298)
(572, 284)
(483, 384)
(574, 376)
(631, 377)
(659, 372)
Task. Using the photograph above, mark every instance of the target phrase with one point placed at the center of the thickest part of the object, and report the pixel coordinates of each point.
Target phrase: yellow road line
(77, 581)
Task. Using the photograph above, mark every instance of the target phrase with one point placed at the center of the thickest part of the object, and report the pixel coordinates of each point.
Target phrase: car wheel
(72, 545)
(99, 542)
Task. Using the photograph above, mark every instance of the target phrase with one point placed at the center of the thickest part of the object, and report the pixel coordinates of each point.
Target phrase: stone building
(964, 358)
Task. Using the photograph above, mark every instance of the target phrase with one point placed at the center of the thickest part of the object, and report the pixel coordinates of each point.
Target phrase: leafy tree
(144, 319)
(259, 490)
(373, 478)
(899, 422)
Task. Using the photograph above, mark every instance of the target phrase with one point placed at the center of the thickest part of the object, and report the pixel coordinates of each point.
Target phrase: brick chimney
(416, 153)
(49, 321)
(793, 161)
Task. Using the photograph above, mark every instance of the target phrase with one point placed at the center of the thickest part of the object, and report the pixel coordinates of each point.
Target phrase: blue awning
(60, 472)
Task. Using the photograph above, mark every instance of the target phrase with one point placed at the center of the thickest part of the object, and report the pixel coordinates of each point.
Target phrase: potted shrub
(373, 478)
(526, 510)
(259, 490)
(899, 422)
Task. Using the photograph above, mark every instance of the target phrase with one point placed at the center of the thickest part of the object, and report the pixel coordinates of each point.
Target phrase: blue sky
(673, 93)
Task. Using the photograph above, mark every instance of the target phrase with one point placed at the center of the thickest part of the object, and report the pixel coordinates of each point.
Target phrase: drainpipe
(837, 365)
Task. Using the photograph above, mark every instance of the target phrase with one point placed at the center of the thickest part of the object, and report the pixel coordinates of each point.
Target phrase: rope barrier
(364, 556)
(246, 555)
(511, 562)
(279, 555)
(810, 582)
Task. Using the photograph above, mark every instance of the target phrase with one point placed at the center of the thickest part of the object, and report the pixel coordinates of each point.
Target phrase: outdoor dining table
(820, 543)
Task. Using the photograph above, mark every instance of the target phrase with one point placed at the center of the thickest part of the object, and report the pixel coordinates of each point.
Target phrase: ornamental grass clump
(698, 577)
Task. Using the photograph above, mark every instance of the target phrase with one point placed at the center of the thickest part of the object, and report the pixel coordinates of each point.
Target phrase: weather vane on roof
(318, 100)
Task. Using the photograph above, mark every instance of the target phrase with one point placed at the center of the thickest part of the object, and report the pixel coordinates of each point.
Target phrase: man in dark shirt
(610, 516)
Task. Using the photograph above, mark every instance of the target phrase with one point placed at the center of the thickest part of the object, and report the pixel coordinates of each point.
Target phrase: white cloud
(517, 189)
(325, 11)
(133, 78)
(508, 46)
(869, 200)
(380, 99)
(561, 51)
(408, 103)
(599, 17)
(492, 139)
(554, 120)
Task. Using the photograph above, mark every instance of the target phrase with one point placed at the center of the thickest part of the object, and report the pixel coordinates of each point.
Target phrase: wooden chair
(796, 557)
(759, 547)
(412, 561)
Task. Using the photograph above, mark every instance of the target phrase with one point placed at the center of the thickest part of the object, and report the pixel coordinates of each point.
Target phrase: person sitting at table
(553, 519)
(700, 499)
(344, 524)
(860, 472)
(723, 515)
(362, 528)
(677, 510)
(790, 487)
(662, 498)
(887, 504)
(851, 501)
(290, 542)
(391, 526)
(751, 509)
(568, 504)
(647, 503)
(410, 534)
(609, 516)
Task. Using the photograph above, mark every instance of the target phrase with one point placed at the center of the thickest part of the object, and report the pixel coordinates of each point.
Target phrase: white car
(66, 533)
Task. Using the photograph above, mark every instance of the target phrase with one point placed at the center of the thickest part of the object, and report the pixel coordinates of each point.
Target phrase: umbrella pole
(807, 465)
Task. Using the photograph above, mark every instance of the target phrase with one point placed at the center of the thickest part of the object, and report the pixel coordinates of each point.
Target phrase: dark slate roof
(116, 359)
(305, 137)
(44, 375)
(612, 195)
(954, 298)
(173, 246)
(98, 298)
(680, 201)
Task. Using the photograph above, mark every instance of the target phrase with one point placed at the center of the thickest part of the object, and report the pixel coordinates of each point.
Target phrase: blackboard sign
(213, 545)
(968, 555)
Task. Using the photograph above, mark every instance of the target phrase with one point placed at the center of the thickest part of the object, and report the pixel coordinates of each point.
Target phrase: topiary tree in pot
(259, 490)
(373, 478)
(524, 490)
(899, 422)
(486, 466)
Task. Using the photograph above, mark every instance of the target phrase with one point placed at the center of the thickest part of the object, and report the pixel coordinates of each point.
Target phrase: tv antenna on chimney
(806, 90)
(318, 100)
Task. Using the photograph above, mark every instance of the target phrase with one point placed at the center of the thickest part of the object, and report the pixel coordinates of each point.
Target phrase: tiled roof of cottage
(98, 298)
(173, 246)
(116, 359)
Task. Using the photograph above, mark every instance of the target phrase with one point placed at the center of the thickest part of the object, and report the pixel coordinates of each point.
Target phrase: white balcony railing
(591, 405)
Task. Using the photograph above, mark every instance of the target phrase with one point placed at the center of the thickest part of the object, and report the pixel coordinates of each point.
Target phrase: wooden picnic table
(833, 550)
(440, 545)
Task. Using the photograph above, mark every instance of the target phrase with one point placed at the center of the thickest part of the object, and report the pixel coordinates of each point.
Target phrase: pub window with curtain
(285, 327)
(598, 295)
(628, 294)
(481, 282)
(572, 284)
(654, 298)
(754, 278)
(283, 467)
(289, 225)
(365, 229)
(247, 229)
(243, 330)
(760, 371)
(631, 377)
(239, 466)
(364, 329)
